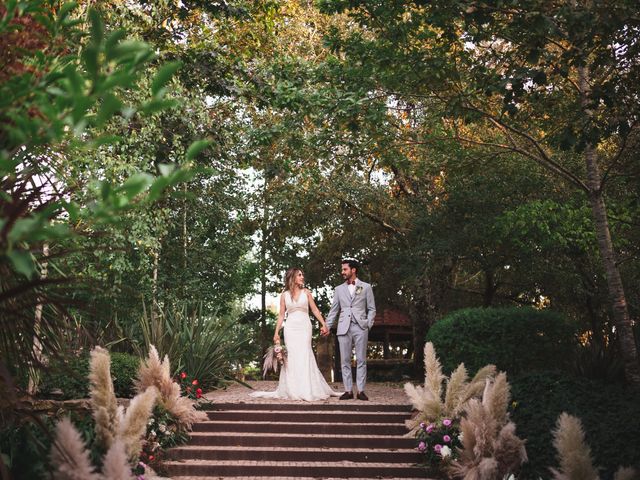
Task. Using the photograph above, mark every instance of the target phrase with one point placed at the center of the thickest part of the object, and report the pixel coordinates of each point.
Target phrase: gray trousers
(358, 337)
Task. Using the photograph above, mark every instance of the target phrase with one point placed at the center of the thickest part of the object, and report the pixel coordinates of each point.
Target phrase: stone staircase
(348, 439)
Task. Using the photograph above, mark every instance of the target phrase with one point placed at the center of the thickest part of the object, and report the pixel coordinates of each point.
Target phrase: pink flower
(446, 438)
(430, 428)
(446, 422)
(437, 448)
(195, 382)
(422, 447)
(183, 375)
(423, 425)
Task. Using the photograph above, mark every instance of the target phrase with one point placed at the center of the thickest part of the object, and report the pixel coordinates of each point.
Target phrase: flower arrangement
(189, 386)
(275, 358)
(163, 432)
(439, 443)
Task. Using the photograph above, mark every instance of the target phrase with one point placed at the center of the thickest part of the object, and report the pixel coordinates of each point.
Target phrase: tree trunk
(489, 288)
(621, 319)
(34, 377)
(264, 335)
(154, 286)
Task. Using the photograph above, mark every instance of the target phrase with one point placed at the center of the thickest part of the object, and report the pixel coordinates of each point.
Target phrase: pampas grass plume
(103, 399)
(433, 376)
(626, 473)
(116, 464)
(574, 455)
(69, 457)
(134, 423)
(455, 388)
(497, 398)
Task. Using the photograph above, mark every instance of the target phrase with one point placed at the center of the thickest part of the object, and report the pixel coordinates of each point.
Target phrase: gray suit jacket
(361, 307)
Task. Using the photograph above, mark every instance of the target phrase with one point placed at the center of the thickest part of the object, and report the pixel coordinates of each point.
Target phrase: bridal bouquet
(275, 358)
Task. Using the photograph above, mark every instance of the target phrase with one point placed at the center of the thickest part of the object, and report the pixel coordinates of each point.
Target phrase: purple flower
(446, 438)
(422, 447)
(423, 425)
(437, 448)
(430, 428)
(446, 422)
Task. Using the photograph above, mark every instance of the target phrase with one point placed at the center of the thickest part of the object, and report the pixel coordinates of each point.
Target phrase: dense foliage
(516, 340)
(610, 415)
(67, 379)
(162, 162)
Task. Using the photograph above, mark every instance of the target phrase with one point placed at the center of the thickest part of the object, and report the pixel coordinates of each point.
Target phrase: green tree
(552, 82)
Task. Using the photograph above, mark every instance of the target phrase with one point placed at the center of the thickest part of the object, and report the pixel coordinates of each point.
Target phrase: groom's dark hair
(352, 262)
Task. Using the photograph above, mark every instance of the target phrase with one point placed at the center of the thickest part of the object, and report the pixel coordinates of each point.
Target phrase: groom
(354, 301)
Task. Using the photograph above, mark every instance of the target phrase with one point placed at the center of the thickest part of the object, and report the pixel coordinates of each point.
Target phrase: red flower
(151, 457)
(183, 375)
(195, 382)
(198, 393)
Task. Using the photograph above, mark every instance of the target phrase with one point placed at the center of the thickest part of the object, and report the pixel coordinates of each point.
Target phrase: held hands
(324, 331)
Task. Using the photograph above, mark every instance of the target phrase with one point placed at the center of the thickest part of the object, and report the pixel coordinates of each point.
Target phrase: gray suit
(356, 319)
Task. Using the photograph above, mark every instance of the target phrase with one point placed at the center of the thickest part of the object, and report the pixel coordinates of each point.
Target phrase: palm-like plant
(429, 400)
(204, 345)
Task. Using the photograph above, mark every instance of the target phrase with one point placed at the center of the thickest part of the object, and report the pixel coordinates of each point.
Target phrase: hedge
(71, 376)
(609, 413)
(516, 340)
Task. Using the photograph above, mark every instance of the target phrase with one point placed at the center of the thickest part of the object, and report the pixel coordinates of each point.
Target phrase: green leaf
(195, 148)
(157, 105)
(24, 229)
(90, 58)
(64, 11)
(112, 41)
(110, 105)
(136, 184)
(22, 263)
(157, 188)
(97, 27)
(163, 76)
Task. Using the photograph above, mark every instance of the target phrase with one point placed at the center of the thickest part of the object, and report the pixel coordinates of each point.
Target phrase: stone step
(345, 405)
(308, 416)
(305, 428)
(252, 439)
(296, 454)
(343, 469)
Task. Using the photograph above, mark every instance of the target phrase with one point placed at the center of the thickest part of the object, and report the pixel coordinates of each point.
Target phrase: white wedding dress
(300, 379)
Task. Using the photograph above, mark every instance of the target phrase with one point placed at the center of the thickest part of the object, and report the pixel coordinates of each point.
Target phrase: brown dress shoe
(362, 396)
(346, 396)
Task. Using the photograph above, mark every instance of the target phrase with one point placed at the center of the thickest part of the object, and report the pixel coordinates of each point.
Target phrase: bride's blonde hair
(290, 279)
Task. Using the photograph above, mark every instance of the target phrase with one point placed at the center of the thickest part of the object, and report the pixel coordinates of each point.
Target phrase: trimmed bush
(71, 375)
(610, 415)
(514, 339)
(124, 370)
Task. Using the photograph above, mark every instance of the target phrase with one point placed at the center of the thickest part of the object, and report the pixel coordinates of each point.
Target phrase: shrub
(610, 415)
(124, 369)
(515, 339)
(70, 376)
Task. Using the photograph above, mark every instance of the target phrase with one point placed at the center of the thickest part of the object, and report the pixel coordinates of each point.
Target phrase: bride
(300, 378)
